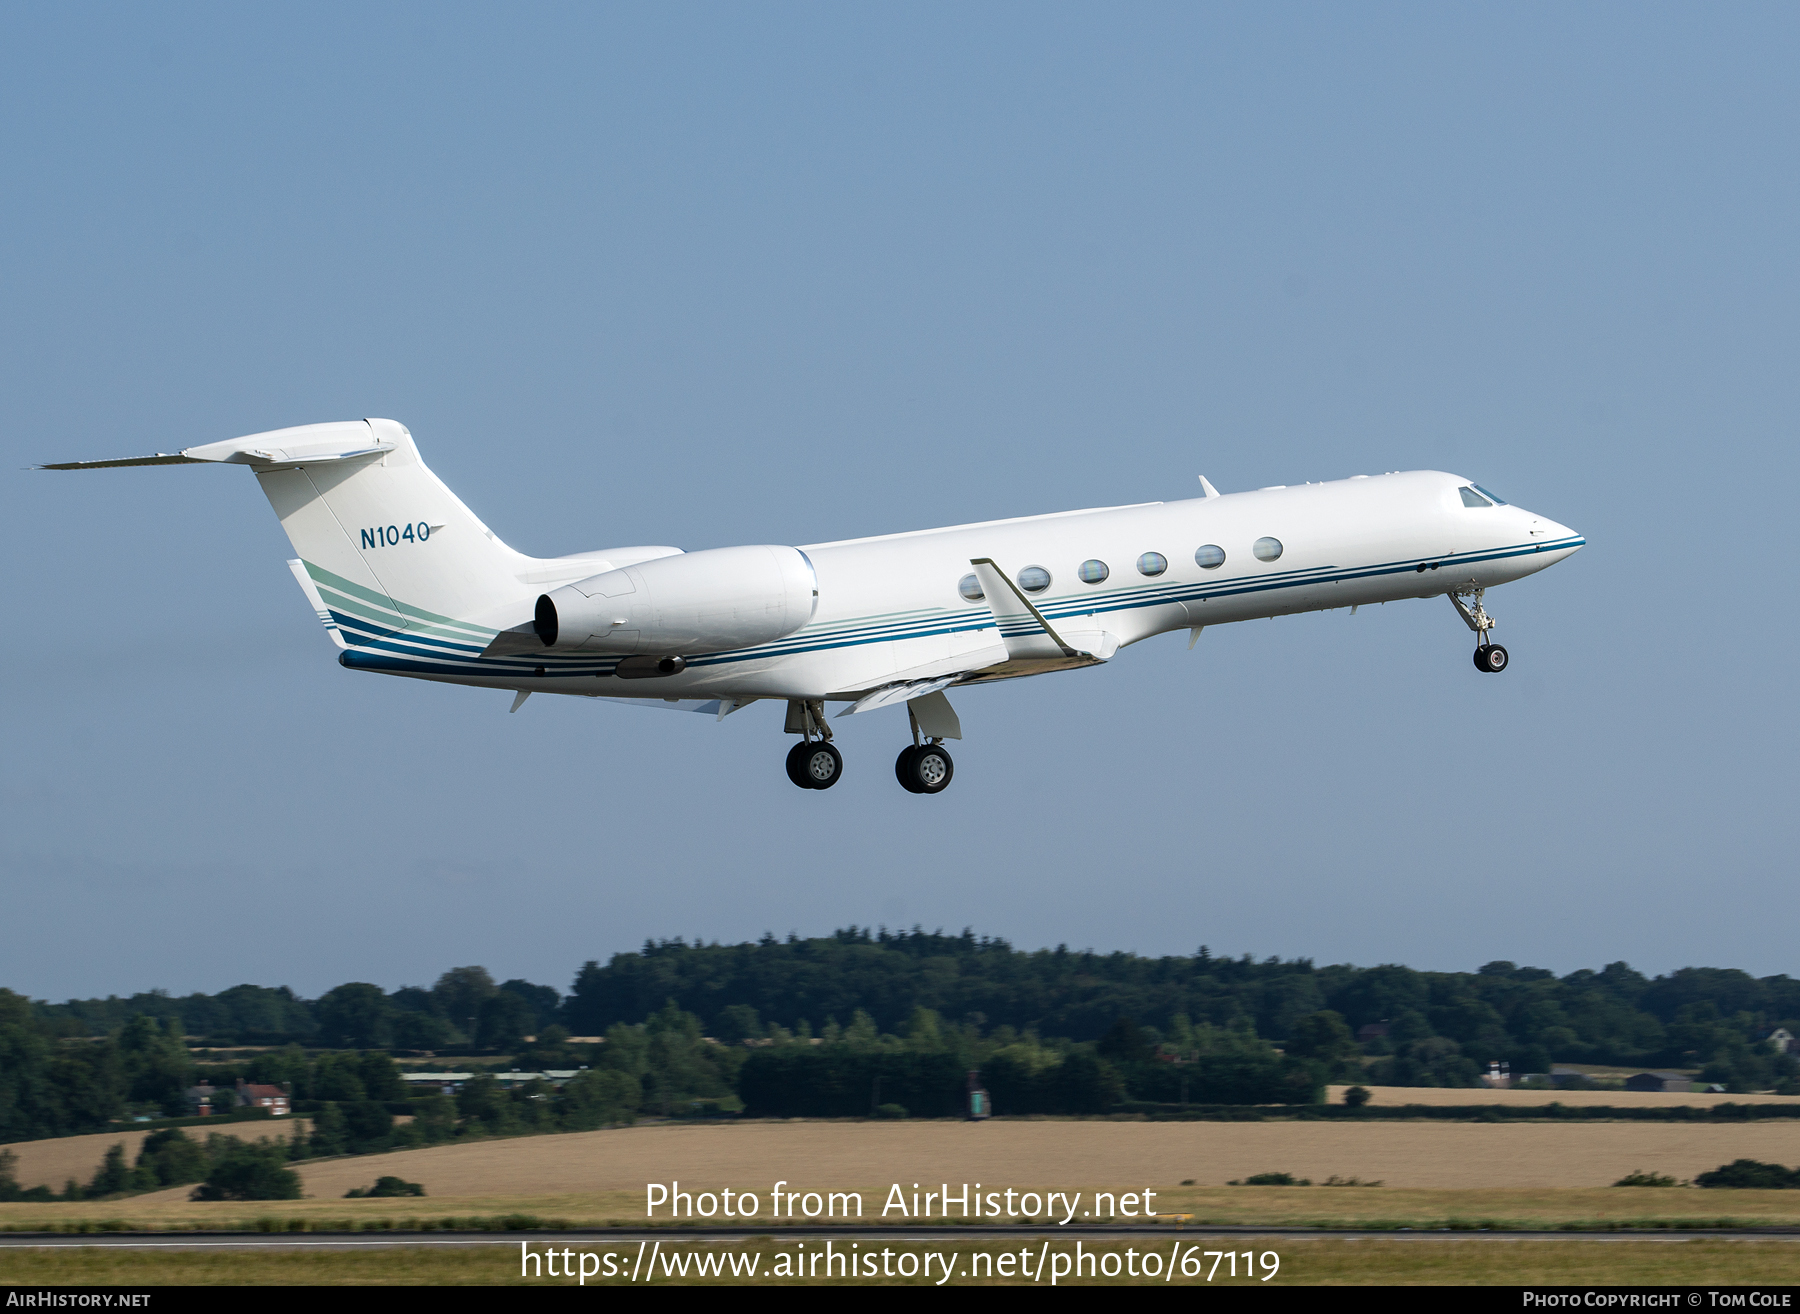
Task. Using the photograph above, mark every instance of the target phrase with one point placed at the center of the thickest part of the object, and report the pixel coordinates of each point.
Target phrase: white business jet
(407, 581)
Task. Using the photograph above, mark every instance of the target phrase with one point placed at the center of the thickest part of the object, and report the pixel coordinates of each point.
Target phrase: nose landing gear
(1490, 658)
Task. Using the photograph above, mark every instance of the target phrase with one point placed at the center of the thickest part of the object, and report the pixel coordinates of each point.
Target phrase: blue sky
(789, 273)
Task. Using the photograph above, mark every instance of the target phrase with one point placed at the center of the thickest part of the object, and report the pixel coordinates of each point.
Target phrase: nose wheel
(1490, 658)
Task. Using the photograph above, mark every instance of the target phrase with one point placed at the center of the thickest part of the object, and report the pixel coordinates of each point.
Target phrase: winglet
(1023, 628)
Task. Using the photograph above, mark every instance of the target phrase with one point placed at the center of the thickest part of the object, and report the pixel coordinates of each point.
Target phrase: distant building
(980, 1106)
(1781, 1040)
(1569, 1078)
(272, 1098)
(206, 1099)
(448, 1083)
(1678, 1082)
(1498, 1076)
(1372, 1031)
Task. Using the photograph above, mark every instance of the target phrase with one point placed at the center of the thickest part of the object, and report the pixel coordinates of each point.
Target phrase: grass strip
(1303, 1262)
(1552, 1112)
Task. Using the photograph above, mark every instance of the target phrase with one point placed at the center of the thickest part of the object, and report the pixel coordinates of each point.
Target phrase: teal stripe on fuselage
(861, 632)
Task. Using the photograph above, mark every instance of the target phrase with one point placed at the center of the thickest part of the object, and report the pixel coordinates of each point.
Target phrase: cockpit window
(1472, 498)
(1497, 501)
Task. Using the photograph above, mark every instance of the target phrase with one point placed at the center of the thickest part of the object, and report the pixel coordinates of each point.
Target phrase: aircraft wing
(1029, 645)
(717, 708)
(1027, 635)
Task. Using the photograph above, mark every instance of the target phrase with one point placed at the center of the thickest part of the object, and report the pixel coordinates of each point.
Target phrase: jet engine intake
(717, 600)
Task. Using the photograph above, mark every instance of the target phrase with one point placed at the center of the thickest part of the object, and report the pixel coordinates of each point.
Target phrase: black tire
(822, 764)
(930, 769)
(903, 769)
(796, 765)
(1490, 659)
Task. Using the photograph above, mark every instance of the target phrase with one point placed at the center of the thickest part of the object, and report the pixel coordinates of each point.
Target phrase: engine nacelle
(697, 602)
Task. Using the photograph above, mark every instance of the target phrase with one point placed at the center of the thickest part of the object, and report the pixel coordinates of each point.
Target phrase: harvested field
(1383, 1208)
(1517, 1174)
(1122, 1155)
(1108, 1155)
(52, 1162)
(1622, 1099)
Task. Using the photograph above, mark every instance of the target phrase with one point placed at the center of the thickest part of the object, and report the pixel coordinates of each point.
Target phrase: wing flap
(904, 692)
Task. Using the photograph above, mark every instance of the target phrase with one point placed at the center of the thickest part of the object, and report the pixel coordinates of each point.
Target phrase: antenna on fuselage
(1206, 489)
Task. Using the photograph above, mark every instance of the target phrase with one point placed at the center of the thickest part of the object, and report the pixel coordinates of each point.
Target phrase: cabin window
(1497, 501)
(1093, 572)
(1210, 557)
(1266, 549)
(1472, 498)
(1034, 579)
(1152, 563)
(970, 588)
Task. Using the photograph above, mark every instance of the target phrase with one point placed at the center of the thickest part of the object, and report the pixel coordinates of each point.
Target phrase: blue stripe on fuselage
(849, 634)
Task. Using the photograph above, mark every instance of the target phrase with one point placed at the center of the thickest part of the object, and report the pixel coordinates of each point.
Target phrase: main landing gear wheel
(924, 770)
(1490, 658)
(814, 765)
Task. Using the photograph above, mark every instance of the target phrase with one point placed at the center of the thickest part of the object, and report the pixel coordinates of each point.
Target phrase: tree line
(1053, 1030)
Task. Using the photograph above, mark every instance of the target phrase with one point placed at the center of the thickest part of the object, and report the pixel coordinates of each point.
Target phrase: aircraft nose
(1552, 530)
(1543, 530)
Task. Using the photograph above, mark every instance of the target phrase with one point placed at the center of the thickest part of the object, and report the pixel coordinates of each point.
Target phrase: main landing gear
(813, 763)
(1490, 658)
(925, 767)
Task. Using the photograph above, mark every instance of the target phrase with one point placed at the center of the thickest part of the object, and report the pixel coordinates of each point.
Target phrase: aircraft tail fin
(390, 548)
(383, 545)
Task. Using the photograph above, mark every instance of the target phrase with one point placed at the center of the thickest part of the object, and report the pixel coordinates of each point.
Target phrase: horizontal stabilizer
(161, 458)
(341, 440)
